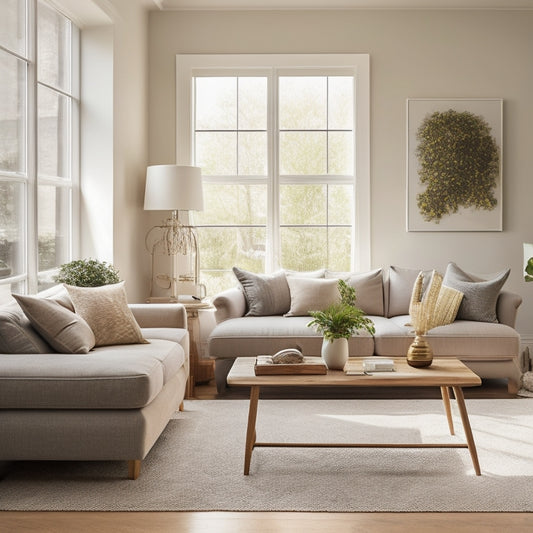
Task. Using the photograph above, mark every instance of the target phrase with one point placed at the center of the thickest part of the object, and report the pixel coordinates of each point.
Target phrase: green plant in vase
(87, 273)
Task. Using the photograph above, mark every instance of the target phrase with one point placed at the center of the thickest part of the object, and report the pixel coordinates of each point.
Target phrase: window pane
(13, 25)
(216, 153)
(340, 153)
(53, 51)
(302, 102)
(340, 204)
(303, 248)
(235, 204)
(12, 214)
(303, 153)
(253, 103)
(253, 154)
(340, 102)
(339, 248)
(53, 226)
(12, 113)
(54, 133)
(303, 204)
(216, 103)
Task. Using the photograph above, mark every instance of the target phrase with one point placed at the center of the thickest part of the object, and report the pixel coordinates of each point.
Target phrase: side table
(199, 371)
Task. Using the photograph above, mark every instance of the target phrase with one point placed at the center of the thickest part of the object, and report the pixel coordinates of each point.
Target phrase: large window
(38, 142)
(278, 143)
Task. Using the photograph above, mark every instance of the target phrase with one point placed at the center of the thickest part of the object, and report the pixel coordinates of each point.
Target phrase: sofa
(110, 402)
(267, 313)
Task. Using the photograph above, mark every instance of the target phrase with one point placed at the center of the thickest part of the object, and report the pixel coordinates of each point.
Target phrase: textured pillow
(265, 295)
(448, 304)
(65, 331)
(106, 311)
(368, 289)
(311, 294)
(401, 283)
(17, 334)
(480, 296)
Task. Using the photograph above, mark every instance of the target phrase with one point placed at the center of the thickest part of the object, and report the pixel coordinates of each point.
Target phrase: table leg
(458, 391)
(445, 392)
(250, 430)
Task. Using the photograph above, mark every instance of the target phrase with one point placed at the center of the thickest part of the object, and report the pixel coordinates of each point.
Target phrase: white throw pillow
(311, 294)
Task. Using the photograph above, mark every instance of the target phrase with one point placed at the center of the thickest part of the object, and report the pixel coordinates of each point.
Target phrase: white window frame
(190, 65)
(29, 278)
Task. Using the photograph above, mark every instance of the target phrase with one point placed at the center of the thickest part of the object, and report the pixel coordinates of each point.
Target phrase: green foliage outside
(529, 270)
(87, 273)
(343, 319)
(459, 161)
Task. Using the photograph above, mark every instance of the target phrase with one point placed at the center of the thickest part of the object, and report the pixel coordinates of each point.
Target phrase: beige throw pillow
(64, 331)
(447, 306)
(106, 311)
(311, 294)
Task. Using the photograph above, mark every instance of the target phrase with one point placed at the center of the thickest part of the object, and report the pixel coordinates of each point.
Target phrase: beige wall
(412, 54)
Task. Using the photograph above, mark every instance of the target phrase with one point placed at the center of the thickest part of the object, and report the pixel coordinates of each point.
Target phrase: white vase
(335, 353)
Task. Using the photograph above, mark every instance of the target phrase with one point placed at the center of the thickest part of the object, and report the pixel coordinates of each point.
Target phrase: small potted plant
(87, 273)
(337, 323)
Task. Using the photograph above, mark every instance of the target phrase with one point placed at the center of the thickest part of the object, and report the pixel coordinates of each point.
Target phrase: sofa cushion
(111, 377)
(106, 311)
(311, 294)
(17, 334)
(265, 294)
(250, 336)
(64, 331)
(401, 282)
(368, 289)
(480, 296)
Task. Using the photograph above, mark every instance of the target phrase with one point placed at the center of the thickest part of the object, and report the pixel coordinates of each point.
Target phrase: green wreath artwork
(459, 164)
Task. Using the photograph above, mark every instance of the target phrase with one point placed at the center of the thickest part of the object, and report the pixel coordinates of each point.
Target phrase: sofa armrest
(229, 304)
(507, 307)
(160, 315)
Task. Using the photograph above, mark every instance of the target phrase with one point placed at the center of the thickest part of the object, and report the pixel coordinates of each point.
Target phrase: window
(281, 156)
(38, 143)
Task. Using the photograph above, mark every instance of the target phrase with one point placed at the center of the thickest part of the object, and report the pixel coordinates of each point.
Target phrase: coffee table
(446, 373)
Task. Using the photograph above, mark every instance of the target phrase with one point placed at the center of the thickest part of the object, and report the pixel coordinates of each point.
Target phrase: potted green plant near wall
(87, 273)
(337, 323)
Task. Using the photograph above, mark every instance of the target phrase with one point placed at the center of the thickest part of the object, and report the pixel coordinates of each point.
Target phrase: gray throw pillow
(265, 295)
(480, 296)
(17, 334)
(65, 331)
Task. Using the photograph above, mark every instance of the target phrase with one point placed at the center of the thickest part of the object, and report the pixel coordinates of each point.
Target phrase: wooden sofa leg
(512, 386)
(134, 468)
(181, 407)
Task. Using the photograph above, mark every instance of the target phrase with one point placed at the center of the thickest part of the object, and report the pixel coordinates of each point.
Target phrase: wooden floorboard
(277, 522)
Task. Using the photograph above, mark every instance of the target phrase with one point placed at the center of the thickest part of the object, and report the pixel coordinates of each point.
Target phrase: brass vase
(420, 353)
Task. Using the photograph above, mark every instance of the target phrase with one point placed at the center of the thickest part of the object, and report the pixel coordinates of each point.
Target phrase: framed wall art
(454, 164)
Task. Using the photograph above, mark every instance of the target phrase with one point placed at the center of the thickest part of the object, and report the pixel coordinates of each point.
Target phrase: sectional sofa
(110, 402)
(264, 314)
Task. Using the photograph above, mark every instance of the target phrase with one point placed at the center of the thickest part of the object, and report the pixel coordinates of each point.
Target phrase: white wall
(413, 54)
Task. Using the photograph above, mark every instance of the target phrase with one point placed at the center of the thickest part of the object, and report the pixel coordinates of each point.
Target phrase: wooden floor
(261, 522)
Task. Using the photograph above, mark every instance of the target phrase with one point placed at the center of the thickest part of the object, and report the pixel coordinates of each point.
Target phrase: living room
(469, 49)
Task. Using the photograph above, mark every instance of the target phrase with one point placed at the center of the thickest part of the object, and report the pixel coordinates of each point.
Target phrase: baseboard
(526, 352)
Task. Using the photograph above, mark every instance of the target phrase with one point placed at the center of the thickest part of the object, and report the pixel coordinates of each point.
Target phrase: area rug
(197, 464)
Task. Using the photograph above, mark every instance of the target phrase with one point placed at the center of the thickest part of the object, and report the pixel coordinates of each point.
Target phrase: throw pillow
(368, 289)
(448, 304)
(401, 283)
(106, 311)
(65, 331)
(311, 294)
(307, 273)
(480, 296)
(265, 295)
(17, 334)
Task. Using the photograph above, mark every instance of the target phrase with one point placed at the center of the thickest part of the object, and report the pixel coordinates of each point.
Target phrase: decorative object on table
(87, 273)
(337, 323)
(265, 366)
(378, 364)
(174, 188)
(528, 261)
(454, 164)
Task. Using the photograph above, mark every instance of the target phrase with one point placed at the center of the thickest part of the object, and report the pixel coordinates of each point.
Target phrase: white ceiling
(343, 4)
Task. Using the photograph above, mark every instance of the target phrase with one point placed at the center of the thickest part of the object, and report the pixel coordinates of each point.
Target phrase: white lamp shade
(173, 187)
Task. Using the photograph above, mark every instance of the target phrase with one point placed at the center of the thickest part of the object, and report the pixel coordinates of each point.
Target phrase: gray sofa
(489, 348)
(109, 404)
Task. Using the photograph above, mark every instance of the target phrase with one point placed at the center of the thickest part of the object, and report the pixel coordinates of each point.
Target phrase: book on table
(265, 366)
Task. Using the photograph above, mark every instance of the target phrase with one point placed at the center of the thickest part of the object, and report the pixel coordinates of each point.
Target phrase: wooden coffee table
(444, 373)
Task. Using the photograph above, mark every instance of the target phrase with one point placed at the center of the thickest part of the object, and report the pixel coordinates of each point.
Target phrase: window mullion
(273, 234)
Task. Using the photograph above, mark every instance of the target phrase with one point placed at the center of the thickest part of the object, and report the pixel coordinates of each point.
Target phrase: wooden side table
(199, 371)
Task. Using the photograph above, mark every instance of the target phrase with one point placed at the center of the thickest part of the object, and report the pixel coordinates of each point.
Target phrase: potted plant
(87, 273)
(337, 323)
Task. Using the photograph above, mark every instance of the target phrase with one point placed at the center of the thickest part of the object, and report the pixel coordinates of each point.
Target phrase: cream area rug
(197, 464)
